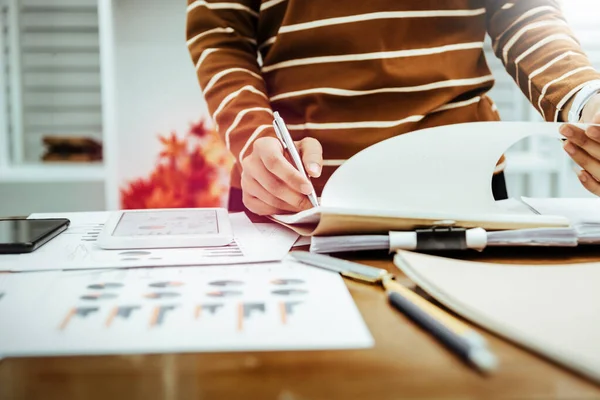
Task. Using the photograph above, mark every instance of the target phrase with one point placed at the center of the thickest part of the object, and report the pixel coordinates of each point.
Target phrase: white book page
(575, 209)
(310, 216)
(446, 169)
(269, 306)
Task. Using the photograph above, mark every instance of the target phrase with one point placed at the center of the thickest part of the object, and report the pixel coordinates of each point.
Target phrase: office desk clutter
(72, 297)
(76, 248)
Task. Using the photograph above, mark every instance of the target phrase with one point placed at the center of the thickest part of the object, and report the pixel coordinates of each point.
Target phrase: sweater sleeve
(221, 38)
(538, 49)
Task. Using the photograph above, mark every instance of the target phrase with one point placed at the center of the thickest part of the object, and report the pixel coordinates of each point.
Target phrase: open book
(433, 177)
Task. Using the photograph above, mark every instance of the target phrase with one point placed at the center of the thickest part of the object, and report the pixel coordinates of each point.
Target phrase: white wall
(21, 199)
(156, 85)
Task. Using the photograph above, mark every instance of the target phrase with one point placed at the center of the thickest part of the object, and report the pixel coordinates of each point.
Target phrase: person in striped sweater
(346, 75)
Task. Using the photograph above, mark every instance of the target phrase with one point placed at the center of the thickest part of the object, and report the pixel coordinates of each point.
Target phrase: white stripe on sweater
(205, 53)
(221, 6)
(513, 40)
(380, 15)
(267, 42)
(408, 89)
(530, 13)
(537, 46)
(354, 125)
(251, 139)
(548, 65)
(560, 78)
(373, 56)
(209, 32)
(565, 99)
(228, 71)
(238, 119)
(231, 96)
(458, 104)
(268, 4)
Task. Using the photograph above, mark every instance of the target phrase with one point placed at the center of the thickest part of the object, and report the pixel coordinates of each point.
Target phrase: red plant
(192, 171)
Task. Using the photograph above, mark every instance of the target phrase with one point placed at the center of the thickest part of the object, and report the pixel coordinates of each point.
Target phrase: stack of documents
(557, 237)
(584, 215)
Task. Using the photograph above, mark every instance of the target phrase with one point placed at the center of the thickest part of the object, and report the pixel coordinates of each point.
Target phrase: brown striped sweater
(352, 73)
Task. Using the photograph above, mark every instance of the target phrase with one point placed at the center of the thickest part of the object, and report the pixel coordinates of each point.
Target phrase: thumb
(312, 156)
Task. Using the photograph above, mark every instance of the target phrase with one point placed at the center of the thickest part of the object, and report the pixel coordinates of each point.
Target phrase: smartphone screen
(22, 233)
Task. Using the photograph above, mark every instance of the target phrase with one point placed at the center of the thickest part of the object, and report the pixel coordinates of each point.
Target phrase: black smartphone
(26, 235)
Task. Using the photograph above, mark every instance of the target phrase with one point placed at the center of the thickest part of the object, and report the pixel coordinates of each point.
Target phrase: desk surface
(405, 363)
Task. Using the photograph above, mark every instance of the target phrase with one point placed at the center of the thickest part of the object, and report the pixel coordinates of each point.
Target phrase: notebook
(438, 176)
(553, 310)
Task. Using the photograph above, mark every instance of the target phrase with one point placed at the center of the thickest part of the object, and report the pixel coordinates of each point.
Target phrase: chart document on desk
(275, 306)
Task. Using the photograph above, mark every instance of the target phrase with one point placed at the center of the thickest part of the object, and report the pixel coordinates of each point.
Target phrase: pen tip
(483, 359)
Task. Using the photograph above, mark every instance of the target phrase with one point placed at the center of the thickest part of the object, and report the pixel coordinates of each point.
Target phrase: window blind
(59, 71)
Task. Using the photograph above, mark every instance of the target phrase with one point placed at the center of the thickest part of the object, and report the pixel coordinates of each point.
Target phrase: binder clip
(441, 238)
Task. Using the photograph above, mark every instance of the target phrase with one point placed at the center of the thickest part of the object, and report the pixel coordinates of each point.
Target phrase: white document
(76, 248)
(551, 309)
(303, 241)
(576, 209)
(433, 175)
(12, 296)
(584, 214)
(269, 306)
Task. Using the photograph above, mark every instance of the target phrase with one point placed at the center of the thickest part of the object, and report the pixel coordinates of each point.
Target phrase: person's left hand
(584, 146)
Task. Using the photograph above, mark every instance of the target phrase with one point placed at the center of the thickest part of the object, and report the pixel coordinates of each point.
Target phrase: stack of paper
(555, 237)
(584, 215)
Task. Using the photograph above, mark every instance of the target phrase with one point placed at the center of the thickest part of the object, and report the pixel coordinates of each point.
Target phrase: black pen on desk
(455, 335)
(477, 355)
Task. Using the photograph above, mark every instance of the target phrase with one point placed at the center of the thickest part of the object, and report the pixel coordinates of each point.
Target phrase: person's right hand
(271, 184)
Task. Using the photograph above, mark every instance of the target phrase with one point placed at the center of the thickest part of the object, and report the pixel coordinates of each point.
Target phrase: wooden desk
(405, 363)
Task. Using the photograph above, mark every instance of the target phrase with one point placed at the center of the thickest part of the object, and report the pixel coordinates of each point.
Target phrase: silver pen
(288, 144)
